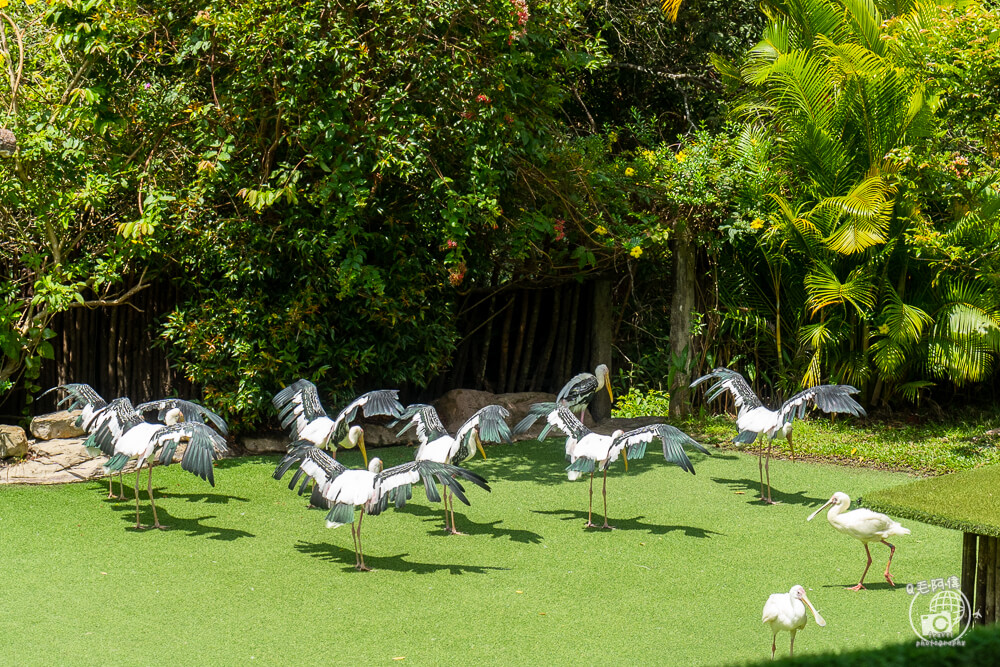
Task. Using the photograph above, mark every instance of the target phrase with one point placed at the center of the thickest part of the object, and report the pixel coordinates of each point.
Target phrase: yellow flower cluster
(601, 229)
(636, 252)
(630, 172)
(681, 157)
(757, 224)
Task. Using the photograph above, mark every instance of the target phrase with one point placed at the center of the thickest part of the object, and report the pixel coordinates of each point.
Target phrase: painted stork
(170, 411)
(862, 524)
(586, 450)
(299, 409)
(487, 425)
(122, 434)
(576, 394)
(345, 489)
(753, 419)
(786, 612)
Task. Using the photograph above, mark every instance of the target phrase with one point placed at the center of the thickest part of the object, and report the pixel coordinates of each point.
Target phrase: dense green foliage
(325, 181)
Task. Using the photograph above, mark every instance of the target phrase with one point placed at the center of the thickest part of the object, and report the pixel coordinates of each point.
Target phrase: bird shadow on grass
(874, 586)
(158, 492)
(634, 523)
(345, 556)
(191, 526)
(752, 489)
(470, 527)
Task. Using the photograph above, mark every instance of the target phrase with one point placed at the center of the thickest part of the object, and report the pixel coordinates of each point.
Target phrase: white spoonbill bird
(487, 425)
(299, 409)
(372, 489)
(785, 612)
(122, 434)
(576, 394)
(753, 419)
(586, 450)
(862, 524)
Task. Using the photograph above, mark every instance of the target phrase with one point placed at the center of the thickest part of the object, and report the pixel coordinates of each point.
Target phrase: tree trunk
(600, 343)
(682, 305)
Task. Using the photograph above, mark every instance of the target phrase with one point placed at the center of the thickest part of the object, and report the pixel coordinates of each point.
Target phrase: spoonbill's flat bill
(785, 612)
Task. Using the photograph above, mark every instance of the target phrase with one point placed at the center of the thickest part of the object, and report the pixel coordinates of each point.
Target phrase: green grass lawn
(929, 448)
(248, 574)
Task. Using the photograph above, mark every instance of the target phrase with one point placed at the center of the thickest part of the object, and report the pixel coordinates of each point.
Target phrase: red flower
(451, 243)
(483, 99)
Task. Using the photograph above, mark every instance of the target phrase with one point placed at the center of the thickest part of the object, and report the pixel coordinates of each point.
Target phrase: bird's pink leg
(892, 550)
(354, 539)
(791, 446)
(138, 526)
(760, 468)
(121, 485)
(156, 522)
(361, 553)
(767, 471)
(861, 583)
(454, 529)
(774, 646)
(791, 647)
(590, 508)
(604, 492)
(111, 481)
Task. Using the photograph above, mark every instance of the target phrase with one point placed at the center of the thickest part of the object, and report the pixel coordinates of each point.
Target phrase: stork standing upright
(576, 394)
(753, 419)
(300, 410)
(487, 425)
(786, 612)
(372, 489)
(586, 450)
(122, 434)
(862, 524)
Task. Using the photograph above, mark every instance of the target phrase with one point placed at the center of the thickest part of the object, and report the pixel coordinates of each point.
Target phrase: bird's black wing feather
(579, 389)
(826, 397)
(111, 421)
(313, 462)
(379, 402)
(731, 381)
(191, 411)
(297, 405)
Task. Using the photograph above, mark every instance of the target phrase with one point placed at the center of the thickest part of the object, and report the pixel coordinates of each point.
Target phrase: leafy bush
(637, 403)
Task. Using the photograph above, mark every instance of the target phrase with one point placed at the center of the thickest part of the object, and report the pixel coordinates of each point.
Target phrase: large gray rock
(457, 405)
(265, 443)
(56, 425)
(56, 462)
(13, 441)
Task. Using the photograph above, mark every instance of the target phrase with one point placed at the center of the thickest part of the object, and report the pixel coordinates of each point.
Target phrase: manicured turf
(249, 574)
(929, 448)
(968, 501)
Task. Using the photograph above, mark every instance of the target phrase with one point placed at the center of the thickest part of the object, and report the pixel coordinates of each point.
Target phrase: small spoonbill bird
(586, 450)
(345, 489)
(299, 409)
(576, 394)
(122, 434)
(487, 425)
(753, 419)
(862, 524)
(785, 612)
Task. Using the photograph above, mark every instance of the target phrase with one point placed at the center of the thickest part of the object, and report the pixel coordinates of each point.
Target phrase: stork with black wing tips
(300, 410)
(345, 489)
(576, 394)
(586, 450)
(487, 425)
(753, 419)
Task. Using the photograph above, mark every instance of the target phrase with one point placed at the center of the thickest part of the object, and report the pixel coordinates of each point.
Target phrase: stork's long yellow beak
(479, 444)
(607, 385)
(361, 446)
(625, 458)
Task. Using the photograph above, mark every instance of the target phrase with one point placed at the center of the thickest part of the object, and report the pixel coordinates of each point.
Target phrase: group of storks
(123, 432)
